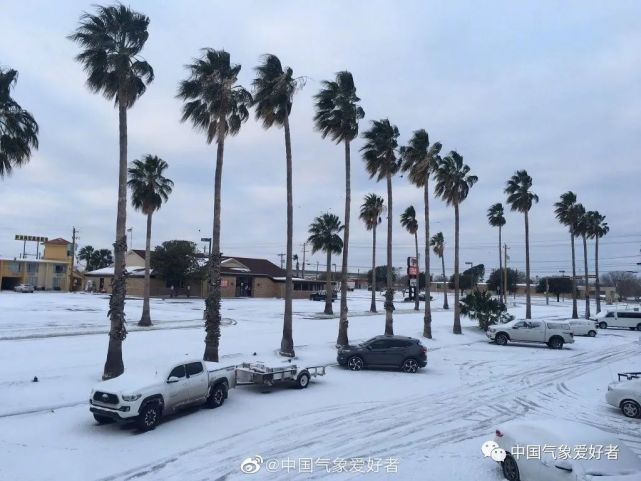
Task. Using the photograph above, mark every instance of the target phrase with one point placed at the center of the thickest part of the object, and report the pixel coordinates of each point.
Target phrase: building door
(243, 286)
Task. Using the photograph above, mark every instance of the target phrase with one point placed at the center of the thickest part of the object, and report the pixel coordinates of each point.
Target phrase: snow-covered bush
(484, 308)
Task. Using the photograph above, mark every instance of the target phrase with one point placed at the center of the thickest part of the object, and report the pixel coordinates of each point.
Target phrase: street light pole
(562, 275)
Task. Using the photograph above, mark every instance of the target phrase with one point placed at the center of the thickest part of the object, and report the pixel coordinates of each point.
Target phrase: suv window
(380, 344)
(194, 368)
(178, 371)
(399, 343)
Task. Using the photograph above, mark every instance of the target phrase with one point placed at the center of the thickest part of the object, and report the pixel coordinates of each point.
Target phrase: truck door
(198, 381)
(535, 331)
(177, 388)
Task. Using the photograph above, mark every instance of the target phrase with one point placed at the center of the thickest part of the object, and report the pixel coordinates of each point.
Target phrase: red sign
(412, 266)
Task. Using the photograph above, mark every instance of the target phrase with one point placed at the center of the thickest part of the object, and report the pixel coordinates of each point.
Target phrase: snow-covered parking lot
(428, 425)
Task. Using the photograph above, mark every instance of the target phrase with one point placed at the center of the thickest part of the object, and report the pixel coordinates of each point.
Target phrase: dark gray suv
(405, 353)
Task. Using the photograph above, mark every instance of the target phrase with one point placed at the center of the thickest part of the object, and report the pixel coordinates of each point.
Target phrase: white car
(583, 327)
(625, 395)
(630, 318)
(24, 288)
(552, 333)
(556, 450)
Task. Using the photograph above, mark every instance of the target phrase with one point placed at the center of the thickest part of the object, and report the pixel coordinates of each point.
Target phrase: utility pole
(317, 264)
(304, 249)
(505, 259)
(73, 256)
(547, 292)
(282, 256)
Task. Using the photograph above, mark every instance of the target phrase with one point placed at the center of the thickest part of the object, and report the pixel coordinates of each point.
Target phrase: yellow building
(50, 272)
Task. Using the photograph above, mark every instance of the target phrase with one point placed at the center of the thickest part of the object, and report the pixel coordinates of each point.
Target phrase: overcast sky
(550, 87)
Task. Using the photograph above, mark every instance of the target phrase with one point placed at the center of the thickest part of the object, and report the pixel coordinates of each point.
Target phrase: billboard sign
(31, 238)
(412, 266)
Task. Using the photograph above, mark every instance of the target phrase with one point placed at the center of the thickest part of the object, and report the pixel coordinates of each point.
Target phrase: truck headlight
(131, 397)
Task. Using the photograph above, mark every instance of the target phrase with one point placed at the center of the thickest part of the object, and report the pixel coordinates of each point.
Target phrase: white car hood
(129, 382)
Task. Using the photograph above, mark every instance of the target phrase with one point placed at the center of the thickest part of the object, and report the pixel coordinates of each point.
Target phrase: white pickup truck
(146, 397)
(552, 333)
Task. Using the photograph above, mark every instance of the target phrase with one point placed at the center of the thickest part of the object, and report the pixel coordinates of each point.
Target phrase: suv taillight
(423, 349)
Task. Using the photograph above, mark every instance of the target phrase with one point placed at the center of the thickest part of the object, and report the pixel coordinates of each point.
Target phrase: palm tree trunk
(389, 292)
(145, 319)
(427, 319)
(212, 301)
(528, 298)
(418, 271)
(287, 343)
(445, 304)
(502, 296)
(342, 339)
(597, 282)
(575, 310)
(372, 307)
(587, 277)
(457, 307)
(114, 366)
(329, 291)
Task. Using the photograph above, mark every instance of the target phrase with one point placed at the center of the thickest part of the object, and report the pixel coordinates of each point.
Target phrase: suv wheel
(639, 327)
(355, 363)
(302, 381)
(511, 469)
(631, 409)
(591, 333)
(556, 343)
(102, 419)
(603, 325)
(149, 417)
(501, 339)
(410, 365)
(216, 396)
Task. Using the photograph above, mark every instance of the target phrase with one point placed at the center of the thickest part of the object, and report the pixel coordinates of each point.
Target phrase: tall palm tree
(453, 184)
(337, 116)
(521, 198)
(597, 228)
(18, 128)
(324, 236)
(149, 189)
(111, 42)
(410, 224)
(566, 213)
(379, 154)
(101, 258)
(85, 255)
(218, 106)
(438, 246)
(371, 211)
(420, 159)
(496, 218)
(274, 89)
(582, 229)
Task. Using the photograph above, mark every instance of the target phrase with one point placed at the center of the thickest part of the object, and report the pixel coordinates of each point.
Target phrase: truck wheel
(302, 381)
(511, 469)
(603, 325)
(216, 396)
(501, 339)
(631, 409)
(102, 419)
(591, 333)
(555, 343)
(149, 417)
(355, 363)
(639, 327)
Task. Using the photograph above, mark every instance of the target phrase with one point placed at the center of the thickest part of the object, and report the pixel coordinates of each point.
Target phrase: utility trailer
(259, 373)
(629, 375)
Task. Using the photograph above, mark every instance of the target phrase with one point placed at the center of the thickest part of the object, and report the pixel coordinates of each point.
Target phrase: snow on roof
(50, 261)
(59, 241)
(133, 271)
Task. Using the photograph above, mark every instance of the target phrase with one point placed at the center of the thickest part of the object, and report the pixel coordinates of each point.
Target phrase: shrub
(485, 309)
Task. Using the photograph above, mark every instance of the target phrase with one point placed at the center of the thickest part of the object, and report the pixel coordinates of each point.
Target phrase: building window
(32, 280)
(60, 268)
(32, 267)
(14, 267)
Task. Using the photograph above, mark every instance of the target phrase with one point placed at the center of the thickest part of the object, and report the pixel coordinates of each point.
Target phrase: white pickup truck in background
(552, 333)
(145, 397)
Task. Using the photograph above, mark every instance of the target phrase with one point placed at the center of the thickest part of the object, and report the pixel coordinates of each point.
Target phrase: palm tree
(496, 218)
(371, 211)
(218, 106)
(453, 184)
(323, 236)
(18, 128)
(112, 40)
(101, 258)
(274, 88)
(438, 246)
(379, 153)
(566, 213)
(410, 224)
(597, 228)
(337, 116)
(149, 189)
(582, 229)
(420, 159)
(521, 198)
(85, 255)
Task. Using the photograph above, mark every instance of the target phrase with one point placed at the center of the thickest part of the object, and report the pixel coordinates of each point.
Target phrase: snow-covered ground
(432, 423)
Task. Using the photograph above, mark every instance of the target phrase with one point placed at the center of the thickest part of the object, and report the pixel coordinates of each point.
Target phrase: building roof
(254, 267)
(59, 241)
(132, 271)
(140, 252)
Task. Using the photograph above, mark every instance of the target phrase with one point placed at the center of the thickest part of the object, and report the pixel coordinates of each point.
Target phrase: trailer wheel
(216, 396)
(302, 381)
(603, 325)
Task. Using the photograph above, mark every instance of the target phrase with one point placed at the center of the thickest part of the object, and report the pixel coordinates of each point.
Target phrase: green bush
(485, 309)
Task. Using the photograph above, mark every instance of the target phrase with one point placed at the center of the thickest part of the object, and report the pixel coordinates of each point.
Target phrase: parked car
(405, 353)
(630, 318)
(583, 327)
(626, 395)
(24, 288)
(554, 334)
(145, 397)
(551, 465)
(421, 297)
(320, 296)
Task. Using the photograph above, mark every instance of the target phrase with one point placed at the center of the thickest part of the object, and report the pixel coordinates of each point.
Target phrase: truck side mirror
(172, 379)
